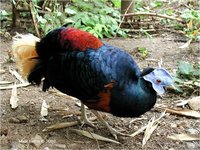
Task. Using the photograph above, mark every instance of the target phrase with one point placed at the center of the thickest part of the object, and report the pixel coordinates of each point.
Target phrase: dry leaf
(5, 82)
(194, 103)
(186, 45)
(190, 24)
(151, 126)
(64, 125)
(13, 98)
(149, 130)
(185, 137)
(138, 131)
(44, 109)
(182, 103)
(37, 141)
(94, 136)
(144, 127)
(185, 112)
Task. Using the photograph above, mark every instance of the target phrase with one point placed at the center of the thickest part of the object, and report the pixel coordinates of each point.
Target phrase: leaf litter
(64, 125)
(94, 136)
(185, 137)
(181, 112)
(150, 128)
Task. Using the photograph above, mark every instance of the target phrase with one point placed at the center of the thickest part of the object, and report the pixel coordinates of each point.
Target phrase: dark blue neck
(133, 100)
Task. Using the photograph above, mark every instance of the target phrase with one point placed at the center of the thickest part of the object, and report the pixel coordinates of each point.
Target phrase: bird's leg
(112, 130)
(84, 116)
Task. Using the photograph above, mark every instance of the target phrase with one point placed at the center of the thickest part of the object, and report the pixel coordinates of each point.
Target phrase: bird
(103, 77)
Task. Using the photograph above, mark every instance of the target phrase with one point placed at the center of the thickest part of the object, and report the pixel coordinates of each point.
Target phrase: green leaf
(170, 12)
(41, 19)
(185, 68)
(98, 27)
(196, 72)
(68, 20)
(77, 24)
(142, 49)
(156, 4)
(178, 80)
(70, 11)
(4, 13)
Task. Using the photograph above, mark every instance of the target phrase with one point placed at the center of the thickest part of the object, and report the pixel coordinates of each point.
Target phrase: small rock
(46, 148)
(190, 145)
(173, 125)
(22, 119)
(37, 141)
(194, 103)
(13, 120)
(62, 146)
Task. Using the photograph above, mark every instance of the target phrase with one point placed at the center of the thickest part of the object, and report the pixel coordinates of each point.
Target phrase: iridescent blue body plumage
(103, 77)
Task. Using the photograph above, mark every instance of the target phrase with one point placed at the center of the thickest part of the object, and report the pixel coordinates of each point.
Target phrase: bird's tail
(28, 62)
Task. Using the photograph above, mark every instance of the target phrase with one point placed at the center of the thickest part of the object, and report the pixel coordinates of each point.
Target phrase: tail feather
(25, 53)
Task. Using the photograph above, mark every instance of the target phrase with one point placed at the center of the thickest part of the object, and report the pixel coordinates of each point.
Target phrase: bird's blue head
(159, 78)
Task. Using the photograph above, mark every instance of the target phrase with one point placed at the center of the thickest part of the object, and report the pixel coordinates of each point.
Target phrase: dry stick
(15, 73)
(34, 19)
(125, 13)
(11, 86)
(44, 4)
(152, 14)
(64, 125)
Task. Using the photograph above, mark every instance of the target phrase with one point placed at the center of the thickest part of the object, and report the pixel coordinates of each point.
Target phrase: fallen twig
(11, 86)
(64, 125)
(17, 75)
(152, 14)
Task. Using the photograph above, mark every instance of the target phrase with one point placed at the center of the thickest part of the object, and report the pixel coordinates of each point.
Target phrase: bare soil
(19, 126)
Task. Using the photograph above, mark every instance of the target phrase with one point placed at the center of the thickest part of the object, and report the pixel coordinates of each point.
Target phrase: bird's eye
(158, 81)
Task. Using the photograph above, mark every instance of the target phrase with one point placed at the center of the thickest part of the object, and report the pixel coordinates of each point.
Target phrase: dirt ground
(20, 126)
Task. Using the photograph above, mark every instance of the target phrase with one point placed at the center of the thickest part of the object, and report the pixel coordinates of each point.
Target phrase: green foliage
(188, 71)
(156, 4)
(143, 51)
(94, 17)
(5, 18)
(185, 10)
(192, 28)
(187, 75)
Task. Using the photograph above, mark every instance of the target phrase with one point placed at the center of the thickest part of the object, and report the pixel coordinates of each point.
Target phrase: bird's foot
(87, 121)
(114, 132)
(84, 119)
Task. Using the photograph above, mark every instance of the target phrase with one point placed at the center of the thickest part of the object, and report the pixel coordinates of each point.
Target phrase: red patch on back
(80, 40)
